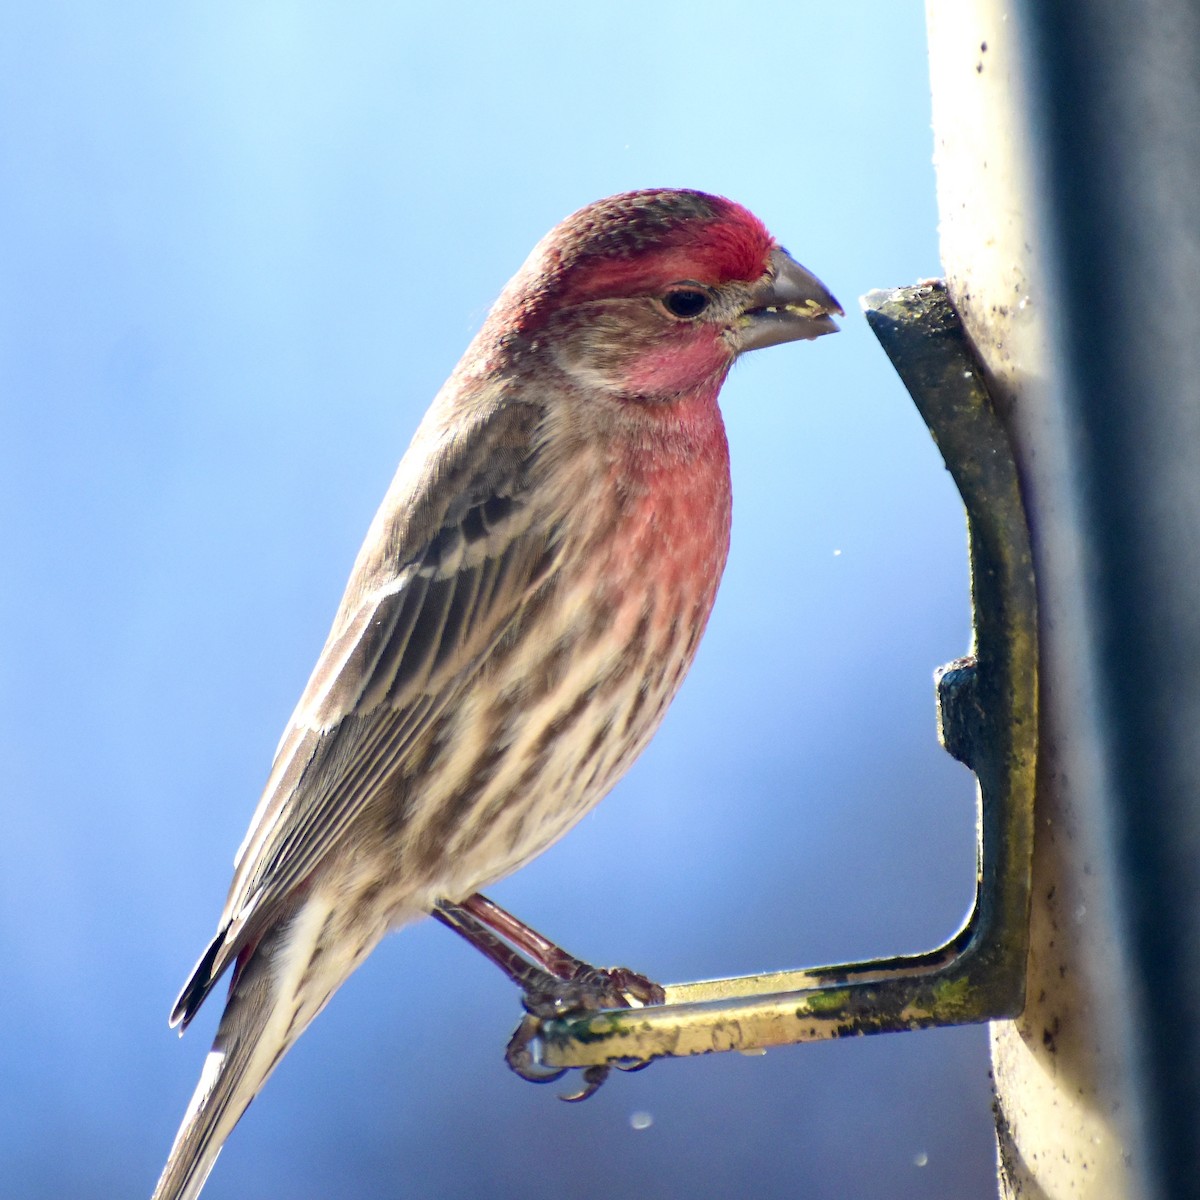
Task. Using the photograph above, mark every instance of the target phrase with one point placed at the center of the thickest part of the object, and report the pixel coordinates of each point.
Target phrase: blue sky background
(242, 245)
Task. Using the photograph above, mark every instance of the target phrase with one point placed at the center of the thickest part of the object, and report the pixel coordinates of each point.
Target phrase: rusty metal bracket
(987, 718)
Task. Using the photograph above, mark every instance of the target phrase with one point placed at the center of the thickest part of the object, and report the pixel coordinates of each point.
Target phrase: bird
(526, 603)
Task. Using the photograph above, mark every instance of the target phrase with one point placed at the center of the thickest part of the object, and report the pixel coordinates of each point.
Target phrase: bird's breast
(582, 679)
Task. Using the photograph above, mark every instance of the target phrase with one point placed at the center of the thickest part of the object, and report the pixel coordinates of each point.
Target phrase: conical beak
(789, 305)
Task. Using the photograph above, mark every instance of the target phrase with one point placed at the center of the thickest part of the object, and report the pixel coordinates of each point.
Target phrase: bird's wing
(451, 560)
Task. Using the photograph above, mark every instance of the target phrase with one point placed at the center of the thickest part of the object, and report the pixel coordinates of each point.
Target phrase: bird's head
(651, 295)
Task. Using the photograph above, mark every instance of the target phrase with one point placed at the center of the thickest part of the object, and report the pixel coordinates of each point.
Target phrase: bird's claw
(632, 983)
(593, 1077)
(522, 1058)
(589, 990)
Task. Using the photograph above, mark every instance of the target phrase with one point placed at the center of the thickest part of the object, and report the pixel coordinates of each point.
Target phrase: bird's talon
(638, 1064)
(521, 1059)
(591, 989)
(593, 1077)
(632, 983)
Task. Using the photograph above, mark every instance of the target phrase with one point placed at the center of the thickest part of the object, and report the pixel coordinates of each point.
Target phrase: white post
(1062, 1070)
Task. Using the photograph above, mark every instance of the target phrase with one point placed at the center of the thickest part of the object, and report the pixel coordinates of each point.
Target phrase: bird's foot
(554, 985)
(523, 1057)
(588, 989)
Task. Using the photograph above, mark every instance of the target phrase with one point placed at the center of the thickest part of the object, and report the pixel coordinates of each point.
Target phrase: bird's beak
(790, 304)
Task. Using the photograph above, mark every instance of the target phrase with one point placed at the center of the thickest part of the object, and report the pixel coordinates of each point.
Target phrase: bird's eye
(686, 302)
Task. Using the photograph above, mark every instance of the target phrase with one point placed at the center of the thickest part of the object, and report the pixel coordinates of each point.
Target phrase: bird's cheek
(673, 366)
(622, 353)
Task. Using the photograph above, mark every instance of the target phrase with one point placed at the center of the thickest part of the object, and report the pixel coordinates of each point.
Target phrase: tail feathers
(251, 1039)
(278, 988)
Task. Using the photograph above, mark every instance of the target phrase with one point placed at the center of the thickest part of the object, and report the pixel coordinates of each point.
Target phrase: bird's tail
(275, 993)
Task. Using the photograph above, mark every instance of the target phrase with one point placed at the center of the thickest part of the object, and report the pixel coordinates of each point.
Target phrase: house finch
(527, 601)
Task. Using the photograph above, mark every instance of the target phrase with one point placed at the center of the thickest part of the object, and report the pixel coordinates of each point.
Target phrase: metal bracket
(987, 718)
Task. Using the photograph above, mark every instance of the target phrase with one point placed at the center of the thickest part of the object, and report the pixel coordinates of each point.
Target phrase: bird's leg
(553, 982)
(536, 946)
(564, 983)
(530, 977)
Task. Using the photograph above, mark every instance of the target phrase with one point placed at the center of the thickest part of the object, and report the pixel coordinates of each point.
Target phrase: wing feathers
(424, 625)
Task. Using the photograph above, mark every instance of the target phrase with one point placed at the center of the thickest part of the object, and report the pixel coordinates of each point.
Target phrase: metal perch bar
(987, 717)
